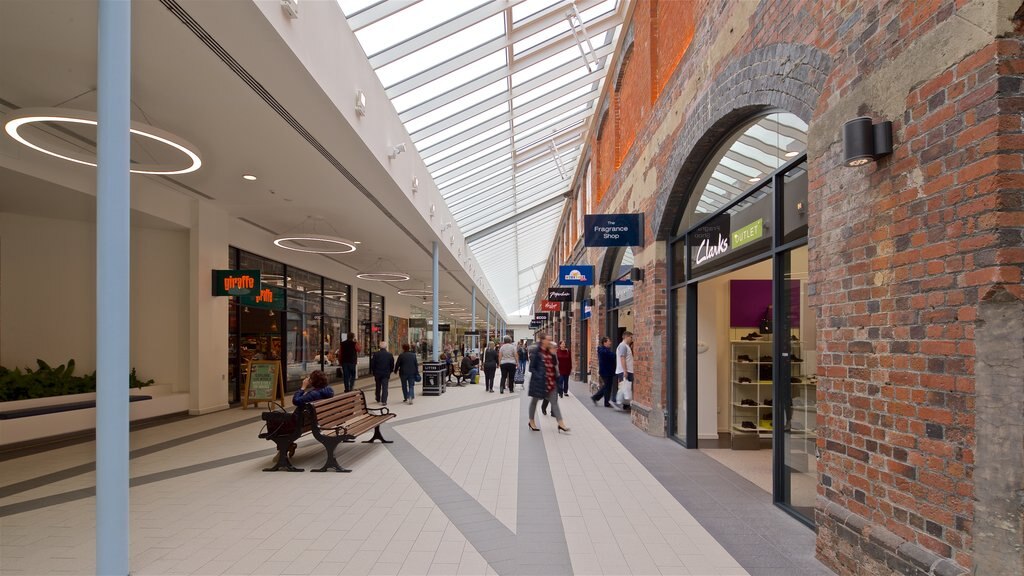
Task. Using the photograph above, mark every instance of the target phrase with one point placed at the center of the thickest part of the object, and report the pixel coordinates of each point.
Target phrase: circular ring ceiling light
(28, 116)
(416, 293)
(451, 309)
(384, 276)
(315, 244)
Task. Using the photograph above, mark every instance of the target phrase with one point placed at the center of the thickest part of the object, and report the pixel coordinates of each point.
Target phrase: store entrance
(734, 371)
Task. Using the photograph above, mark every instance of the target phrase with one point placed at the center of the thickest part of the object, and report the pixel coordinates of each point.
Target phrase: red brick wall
(902, 251)
(671, 32)
(604, 161)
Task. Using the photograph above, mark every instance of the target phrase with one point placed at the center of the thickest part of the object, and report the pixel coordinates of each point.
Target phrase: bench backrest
(340, 408)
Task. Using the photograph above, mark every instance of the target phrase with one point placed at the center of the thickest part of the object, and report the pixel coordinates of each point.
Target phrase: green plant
(46, 381)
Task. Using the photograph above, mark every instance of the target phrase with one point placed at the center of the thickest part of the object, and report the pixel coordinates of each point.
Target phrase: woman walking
(564, 369)
(490, 365)
(407, 369)
(543, 374)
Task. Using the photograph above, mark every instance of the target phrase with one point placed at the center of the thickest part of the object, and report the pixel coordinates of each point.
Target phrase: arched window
(752, 153)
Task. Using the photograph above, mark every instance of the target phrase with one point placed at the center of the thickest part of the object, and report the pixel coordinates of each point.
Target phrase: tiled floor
(466, 488)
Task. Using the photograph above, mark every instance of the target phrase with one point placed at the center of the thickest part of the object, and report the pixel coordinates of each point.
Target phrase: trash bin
(433, 378)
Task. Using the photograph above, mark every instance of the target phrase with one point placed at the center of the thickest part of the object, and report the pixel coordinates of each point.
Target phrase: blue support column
(435, 288)
(113, 229)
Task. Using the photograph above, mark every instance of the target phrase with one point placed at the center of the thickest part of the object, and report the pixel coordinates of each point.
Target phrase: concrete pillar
(208, 323)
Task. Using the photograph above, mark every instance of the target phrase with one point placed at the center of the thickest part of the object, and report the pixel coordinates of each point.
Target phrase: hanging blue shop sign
(588, 308)
(613, 230)
(582, 275)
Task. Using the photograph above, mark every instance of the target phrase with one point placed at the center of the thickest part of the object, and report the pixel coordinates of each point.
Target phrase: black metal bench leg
(283, 461)
(329, 445)
(377, 436)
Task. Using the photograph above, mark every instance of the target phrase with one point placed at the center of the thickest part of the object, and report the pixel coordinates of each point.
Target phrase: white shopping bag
(625, 391)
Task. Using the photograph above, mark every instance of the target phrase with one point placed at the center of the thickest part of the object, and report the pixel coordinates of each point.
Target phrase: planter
(162, 401)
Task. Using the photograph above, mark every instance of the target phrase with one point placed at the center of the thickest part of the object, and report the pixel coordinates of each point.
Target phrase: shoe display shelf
(751, 383)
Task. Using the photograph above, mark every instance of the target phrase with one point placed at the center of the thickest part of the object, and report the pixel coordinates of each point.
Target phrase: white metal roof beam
(440, 32)
(545, 50)
(377, 12)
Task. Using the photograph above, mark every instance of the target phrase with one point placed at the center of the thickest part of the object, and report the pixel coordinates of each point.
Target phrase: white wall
(48, 296)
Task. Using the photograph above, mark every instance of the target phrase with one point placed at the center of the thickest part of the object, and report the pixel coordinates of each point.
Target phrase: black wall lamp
(636, 275)
(865, 142)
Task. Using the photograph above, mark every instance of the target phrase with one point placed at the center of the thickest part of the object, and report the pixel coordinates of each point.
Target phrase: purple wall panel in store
(748, 300)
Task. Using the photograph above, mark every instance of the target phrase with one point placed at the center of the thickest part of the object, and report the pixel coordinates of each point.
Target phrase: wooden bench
(341, 418)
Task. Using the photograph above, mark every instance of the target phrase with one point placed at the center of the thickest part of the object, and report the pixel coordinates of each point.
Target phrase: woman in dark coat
(490, 365)
(543, 376)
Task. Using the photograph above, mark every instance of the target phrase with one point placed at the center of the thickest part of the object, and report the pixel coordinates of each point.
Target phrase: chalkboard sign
(263, 383)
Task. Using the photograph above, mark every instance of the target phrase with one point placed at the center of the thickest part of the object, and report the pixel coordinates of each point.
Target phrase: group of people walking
(548, 365)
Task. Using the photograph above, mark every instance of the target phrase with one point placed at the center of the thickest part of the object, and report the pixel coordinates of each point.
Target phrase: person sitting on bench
(314, 387)
(469, 367)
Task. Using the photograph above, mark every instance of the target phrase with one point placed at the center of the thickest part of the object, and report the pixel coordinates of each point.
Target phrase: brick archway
(785, 77)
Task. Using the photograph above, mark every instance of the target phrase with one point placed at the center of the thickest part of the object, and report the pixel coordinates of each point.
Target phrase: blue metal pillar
(435, 287)
(113, 231)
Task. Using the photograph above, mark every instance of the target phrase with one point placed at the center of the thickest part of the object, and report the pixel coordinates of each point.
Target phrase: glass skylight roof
(496, 95)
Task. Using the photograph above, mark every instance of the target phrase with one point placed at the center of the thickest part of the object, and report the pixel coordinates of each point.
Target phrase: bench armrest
(383, 410)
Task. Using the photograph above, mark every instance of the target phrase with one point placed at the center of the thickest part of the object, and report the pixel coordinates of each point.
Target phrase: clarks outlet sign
(711, 248)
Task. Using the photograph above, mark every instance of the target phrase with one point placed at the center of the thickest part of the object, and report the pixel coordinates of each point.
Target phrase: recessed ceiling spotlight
(249, 177)
(792, 154)
(754, 179)
(356, 242)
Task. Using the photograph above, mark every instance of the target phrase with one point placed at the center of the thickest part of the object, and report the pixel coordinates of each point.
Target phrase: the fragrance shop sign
(613, 230)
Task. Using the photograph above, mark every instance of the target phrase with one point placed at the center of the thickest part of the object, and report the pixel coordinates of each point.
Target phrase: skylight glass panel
(441, 50)
(409, 22)
(450, 81)
(470, 159)
(562, 27)
(554, 104)
(744, 169)
(546, 126)
(756, 155)
(454, 131)
(451, 108)
(531, 7)
(547, 64)
(598, 11)
(350, 7)
(549, 87)
(464, 144)
(503, 160)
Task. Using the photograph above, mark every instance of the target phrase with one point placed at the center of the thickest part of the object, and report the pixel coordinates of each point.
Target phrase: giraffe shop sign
(236, 282)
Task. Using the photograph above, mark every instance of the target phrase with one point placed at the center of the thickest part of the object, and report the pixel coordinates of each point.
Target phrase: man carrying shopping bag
(624, 371)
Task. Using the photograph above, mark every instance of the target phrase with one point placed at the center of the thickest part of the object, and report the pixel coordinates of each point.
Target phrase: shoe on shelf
(767, 402)
(796, 358)
(795, 380)
(748, 424)
(744, 358)
(765, 358)
(748, 402)
(744, 380)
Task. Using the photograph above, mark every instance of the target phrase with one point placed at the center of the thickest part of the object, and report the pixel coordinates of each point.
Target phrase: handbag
(418, 377)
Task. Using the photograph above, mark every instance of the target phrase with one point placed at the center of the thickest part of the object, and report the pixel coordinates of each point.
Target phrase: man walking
(606, 370)
(382, 364)
(624, 370)
(348, 355)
